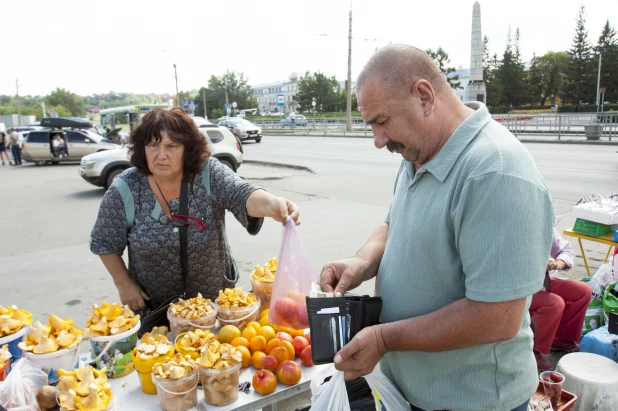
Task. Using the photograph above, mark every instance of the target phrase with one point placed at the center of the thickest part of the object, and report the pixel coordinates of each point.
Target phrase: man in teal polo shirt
(463, 247)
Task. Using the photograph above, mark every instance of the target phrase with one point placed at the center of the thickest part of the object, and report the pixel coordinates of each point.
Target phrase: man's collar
(442, 164)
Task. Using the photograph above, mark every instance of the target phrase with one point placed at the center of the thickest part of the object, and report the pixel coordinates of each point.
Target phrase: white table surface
(129, 395)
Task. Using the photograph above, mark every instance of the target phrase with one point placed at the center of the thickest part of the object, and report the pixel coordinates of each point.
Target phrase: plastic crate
(591, 228)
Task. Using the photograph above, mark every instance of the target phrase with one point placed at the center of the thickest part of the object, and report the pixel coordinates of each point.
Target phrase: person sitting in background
(559, 309)
(60, 149)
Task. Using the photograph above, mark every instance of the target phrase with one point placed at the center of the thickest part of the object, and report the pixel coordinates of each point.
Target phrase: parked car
(100, 169)
(200, 121)
(300, 120)
(79, 141)
(243, 129)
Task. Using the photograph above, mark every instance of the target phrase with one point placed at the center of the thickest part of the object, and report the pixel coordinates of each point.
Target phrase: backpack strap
(127, 199)
(206, 179)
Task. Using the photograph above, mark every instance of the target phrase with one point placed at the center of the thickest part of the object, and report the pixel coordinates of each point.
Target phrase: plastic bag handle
(197, 380)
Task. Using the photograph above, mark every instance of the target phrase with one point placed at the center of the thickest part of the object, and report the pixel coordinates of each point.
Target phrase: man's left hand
(556, 265)
(360, 356)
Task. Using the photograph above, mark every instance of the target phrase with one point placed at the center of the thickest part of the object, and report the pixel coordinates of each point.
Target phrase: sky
(130, 46)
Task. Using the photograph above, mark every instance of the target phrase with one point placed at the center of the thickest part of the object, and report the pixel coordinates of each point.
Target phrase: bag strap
(184, 210)
(127, 199)
(206, 179)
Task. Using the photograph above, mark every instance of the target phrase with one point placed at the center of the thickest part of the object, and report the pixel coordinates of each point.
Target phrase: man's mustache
(394, 146)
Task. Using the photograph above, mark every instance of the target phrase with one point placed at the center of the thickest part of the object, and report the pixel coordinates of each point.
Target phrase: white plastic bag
(386, 395)
(332, 395)
(18, 391)
(606, 275)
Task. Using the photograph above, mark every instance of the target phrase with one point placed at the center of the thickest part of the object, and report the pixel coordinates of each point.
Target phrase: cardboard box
(608, 218)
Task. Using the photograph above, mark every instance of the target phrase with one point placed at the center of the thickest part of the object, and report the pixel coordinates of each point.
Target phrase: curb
(523, 140)
(280, 165)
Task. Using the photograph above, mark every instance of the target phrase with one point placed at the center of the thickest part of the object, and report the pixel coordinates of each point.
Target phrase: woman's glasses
(193, 223)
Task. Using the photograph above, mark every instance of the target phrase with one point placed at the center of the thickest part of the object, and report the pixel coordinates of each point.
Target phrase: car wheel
(227, 163)
(112, 176)
(40, 162)
(257, 140)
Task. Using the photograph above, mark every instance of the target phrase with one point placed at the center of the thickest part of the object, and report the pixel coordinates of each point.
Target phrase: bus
(132, 114)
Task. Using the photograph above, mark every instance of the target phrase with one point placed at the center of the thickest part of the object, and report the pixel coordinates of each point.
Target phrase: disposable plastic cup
(264, 291)
(239, 317)
(50, 363)
(553, 390)
(144, 369)
(114, 352)
(179, 394)
(220, 386)
(4, 370)
(180, 325)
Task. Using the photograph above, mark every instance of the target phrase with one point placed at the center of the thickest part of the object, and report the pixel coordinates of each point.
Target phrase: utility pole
(204, 98)
(348, 110)
(599, 81)
(177, 95)
(227, 100)
(18, 103)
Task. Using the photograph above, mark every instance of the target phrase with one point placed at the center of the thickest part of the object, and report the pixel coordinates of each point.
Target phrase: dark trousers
(16, 150)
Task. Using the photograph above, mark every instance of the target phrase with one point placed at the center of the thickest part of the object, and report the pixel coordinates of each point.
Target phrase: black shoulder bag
(157, 316)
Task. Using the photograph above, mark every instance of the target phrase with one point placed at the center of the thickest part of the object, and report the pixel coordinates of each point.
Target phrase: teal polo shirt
(474, 222)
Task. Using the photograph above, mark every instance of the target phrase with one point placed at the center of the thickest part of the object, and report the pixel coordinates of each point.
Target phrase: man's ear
(426, 95)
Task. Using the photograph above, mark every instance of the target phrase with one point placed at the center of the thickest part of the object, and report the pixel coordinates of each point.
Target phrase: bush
(586, 109)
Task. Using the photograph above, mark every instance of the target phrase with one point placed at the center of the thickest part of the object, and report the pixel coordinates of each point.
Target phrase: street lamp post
(313, 103)
(176, 76)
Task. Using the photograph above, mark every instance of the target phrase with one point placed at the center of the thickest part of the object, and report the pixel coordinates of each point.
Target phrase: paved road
(570, 171)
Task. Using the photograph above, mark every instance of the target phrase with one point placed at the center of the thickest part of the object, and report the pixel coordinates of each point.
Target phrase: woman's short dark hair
(181, 128)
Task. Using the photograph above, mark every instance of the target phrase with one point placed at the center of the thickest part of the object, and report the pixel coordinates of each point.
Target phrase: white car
(101, 169)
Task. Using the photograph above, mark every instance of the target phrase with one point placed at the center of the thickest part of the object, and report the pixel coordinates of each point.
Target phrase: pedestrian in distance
(17, 142)
(461, 251)
(292, 121)
(4, 142)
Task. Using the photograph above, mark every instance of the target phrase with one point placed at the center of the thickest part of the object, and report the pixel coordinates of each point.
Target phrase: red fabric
(559, 314)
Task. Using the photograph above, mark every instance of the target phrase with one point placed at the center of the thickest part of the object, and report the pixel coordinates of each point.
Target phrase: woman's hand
(556, 265)
(132, 295)
(280, 209)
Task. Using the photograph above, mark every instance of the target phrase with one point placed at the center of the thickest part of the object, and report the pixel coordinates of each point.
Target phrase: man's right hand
(132, 295)
(343, 275)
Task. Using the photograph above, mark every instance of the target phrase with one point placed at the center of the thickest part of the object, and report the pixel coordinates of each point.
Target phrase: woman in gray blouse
(141, 211)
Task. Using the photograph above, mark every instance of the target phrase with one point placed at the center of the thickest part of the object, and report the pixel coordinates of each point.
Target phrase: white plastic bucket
(50, 363)
(12, 340)
(179, 394)
(180, 325)
(240, 317)
(114, 352)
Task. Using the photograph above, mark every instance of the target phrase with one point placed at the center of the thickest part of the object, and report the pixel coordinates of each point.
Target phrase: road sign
(227, 106)
(603, 89)
(313, 103)
(280, 100)
(186, 104)
(234, 104)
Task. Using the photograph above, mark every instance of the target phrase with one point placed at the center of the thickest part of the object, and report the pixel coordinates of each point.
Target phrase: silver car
(100, 169)
(38, 146)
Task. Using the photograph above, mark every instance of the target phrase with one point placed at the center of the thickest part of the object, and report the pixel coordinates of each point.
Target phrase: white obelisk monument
(475, 90)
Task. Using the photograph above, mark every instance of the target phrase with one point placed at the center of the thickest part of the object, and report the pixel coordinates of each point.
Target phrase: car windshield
(94, 136)
(241, 122)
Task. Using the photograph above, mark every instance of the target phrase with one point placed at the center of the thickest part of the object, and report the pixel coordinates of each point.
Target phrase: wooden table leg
(581, 247)
(607, 255)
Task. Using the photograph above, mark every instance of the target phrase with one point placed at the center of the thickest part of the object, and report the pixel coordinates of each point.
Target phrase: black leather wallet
(334, 321)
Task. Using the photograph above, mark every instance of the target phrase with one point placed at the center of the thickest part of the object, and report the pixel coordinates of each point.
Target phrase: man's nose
(380, 139)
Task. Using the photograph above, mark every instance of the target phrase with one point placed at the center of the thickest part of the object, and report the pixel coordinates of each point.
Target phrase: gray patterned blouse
(153, 241)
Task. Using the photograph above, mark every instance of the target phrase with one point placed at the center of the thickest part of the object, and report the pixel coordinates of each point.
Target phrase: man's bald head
(398, 66)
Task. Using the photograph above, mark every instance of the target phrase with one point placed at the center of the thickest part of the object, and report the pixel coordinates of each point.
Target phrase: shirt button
(175, 229)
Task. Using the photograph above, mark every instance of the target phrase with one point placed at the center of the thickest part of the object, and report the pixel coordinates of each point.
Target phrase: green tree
(581, 80)
(324, 89)
(440, 56)
(491, 75)
(608, 47)
(64, 98)
(512, 74)
(550, 68)
(235, 85)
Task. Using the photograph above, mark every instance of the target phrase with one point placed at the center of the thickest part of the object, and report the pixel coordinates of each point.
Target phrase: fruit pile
(13, 319)
(192, 308)
(263, 279)
(109, 319)
(57, 335)
(84, 389)
(290, 311)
